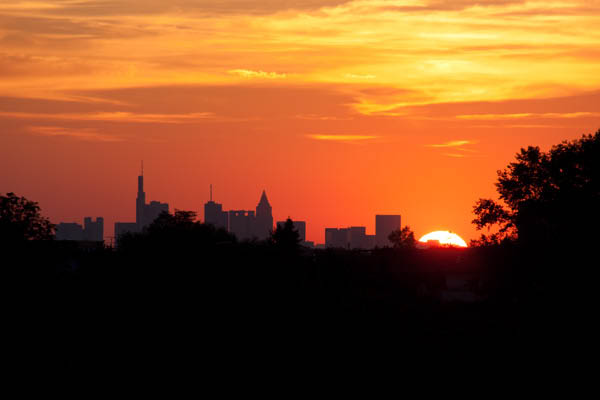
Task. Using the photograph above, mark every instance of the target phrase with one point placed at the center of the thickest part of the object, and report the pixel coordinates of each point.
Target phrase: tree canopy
(546, 196)
(20, 220)
(175, 231)
(403, 238)
(285, 236)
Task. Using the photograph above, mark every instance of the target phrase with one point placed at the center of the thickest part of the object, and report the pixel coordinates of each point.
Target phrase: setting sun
(444, 238)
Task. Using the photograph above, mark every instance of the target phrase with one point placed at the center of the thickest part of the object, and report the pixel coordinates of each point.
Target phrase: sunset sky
(340, 110)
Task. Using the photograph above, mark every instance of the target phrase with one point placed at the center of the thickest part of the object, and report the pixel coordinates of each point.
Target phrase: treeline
(184, 289)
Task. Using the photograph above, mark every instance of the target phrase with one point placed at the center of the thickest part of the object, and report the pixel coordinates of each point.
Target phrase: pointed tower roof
(263, 198)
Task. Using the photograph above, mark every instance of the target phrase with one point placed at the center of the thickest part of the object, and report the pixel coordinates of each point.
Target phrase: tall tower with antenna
(140, 201)
(214, 214)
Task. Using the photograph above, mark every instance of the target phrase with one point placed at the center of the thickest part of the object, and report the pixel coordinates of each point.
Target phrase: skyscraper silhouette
(140, 202)
(145, 214)
(264, 218)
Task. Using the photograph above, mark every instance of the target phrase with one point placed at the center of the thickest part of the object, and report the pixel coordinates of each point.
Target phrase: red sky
(339, 109)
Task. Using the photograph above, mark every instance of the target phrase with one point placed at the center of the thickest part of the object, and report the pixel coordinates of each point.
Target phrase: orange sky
(339, 109)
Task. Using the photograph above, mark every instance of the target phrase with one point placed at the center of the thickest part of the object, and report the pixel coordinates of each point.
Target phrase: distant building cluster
(244, 224)
(91, 231)
(145, 214)
(355, 237)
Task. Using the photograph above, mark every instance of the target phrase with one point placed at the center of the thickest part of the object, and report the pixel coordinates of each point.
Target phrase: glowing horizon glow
(444, 238)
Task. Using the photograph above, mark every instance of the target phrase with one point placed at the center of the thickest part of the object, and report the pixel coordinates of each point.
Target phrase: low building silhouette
(91, 231)
(125, 227)
(69, 231)
(241, 223)
(337, 238)
(354, 237)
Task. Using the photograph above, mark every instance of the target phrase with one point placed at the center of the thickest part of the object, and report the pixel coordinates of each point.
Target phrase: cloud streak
(247, 73)
(456, 147)
(341, 138)
(117, 116)
(86, 134)
(454, 143)
(570, 115)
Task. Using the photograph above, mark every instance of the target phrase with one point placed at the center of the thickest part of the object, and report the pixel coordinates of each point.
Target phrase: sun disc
(444, 238)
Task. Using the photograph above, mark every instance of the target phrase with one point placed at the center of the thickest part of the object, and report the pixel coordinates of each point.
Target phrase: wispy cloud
(87, 134)
(341, 138)
(360, 76)
(113, 117)
(454, 143)
(528, 116)
(457, 148)
(317, 117)
(248, 73)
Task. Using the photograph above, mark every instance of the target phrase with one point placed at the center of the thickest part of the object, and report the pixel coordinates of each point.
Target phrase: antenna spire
(142, 167)
(211, 192)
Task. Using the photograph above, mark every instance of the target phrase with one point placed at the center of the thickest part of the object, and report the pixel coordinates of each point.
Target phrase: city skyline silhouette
(244, 224)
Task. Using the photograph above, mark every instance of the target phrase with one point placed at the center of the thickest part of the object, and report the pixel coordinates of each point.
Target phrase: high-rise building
(214, 214)
(140, 203)
(145, 214)
(264, 218)
(384, 225)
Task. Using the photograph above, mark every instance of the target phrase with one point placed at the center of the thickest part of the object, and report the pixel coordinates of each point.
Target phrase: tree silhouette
(168, 232)
(20, 220)
(285, 236)
(180, 220)
(403, 238)
(546, 196)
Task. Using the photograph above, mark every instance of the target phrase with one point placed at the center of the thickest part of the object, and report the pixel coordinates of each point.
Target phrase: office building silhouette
(214, 214)
(91, 231)
(244, 224)
(69, 231)
(241, 223)
(384, 225)
(354, 237)
(125, 227)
